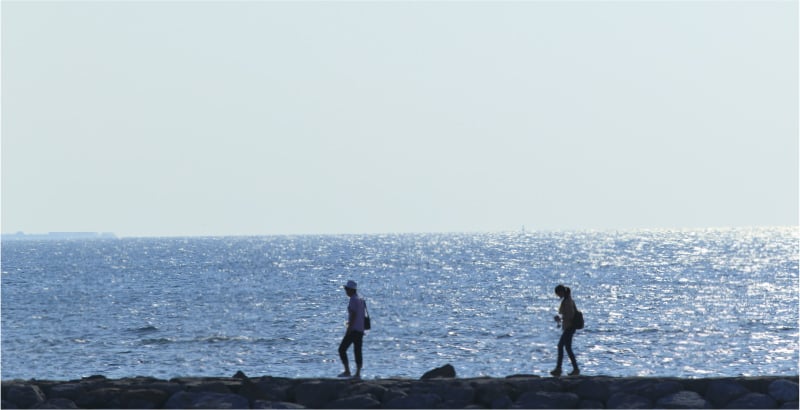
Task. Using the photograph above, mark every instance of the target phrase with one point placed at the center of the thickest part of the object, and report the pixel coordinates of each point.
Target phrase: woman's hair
(563, 289)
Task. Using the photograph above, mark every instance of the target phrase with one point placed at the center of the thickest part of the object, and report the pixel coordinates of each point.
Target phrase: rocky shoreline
(520, 391)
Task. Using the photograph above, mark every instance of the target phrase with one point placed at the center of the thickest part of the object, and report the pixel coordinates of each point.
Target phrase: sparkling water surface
(657, 303)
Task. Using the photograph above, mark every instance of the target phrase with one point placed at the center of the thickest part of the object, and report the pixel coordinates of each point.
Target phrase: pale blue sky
(247, 118)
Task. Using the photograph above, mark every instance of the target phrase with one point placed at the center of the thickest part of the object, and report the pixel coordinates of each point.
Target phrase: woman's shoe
(556, 372)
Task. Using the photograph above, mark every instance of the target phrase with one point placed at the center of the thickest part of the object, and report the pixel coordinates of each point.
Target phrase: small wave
(224, 339)
(647, 330)
(215, 340)
(242, 339)
(145, 329)
(156, 341)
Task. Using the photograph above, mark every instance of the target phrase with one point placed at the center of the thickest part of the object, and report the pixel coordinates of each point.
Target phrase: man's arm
(351, 319)
(351, 315)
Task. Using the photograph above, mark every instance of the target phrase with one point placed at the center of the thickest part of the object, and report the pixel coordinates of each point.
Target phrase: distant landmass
(57, 236)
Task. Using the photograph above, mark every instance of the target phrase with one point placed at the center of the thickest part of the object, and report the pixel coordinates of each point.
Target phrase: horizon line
(19, 235)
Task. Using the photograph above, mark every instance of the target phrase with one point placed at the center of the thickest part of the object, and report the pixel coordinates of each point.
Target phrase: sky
(281, 118)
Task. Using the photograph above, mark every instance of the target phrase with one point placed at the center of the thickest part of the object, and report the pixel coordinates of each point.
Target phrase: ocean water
(657, 303)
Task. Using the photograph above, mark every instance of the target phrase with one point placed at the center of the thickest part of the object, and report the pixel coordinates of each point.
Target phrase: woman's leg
(561, 343)
(565, 342)
(568, 345)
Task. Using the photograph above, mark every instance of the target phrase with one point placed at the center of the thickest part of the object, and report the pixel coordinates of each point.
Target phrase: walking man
(355, 330)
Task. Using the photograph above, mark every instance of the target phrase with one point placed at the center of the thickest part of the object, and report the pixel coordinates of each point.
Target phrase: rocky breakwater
(523, 391)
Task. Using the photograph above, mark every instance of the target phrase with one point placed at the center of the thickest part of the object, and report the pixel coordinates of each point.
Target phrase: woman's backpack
(578, 320)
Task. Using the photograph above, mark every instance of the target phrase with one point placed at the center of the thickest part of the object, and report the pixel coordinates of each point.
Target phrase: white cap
(351, 285)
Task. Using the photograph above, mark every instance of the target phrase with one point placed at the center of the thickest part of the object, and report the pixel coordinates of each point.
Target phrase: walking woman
(566, 322)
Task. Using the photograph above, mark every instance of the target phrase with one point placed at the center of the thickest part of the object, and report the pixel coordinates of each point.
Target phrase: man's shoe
(344, 374)
(556, 372)
(575, 372)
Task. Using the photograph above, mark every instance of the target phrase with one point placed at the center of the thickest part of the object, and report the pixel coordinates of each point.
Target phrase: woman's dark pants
(566, 342)
(352, 337)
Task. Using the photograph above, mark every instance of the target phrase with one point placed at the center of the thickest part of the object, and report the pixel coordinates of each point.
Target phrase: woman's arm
(567, 311)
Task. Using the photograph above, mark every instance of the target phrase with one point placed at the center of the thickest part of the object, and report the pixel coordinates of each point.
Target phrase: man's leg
(358, 341)
(347, 340)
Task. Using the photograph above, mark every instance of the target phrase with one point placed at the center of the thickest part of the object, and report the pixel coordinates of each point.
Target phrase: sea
(683, 303)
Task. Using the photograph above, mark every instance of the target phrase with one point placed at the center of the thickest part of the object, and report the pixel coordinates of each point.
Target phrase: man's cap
(351, 285)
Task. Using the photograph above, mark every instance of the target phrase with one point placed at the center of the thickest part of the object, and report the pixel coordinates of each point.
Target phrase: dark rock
(660, 389)
(456, 392)
(684, 399)
(316, 394)
(443, 391)
(266, 404)
(721, 392)
(392, 394)
(633, 386)
(102, 398)
(142, 399)
(167, 387)
(523, 376)
(70, 391)
(267, 389)
(126, 383)
(590, 389)
(254, 392)
(753, 401)
(5, 385)
(757, 384)
(446, 371)
(414, 401)
(56, 404)
(784, 390)
(486, 392)
(5, 404)
(25, 395)
(206, 400)
(700, 386)
(501, 402)
(591, 404)
(628, 401)
(139, 380)
(652, 389)
(209, 387)
(455, 404)
(548, 400)
(790, 405)
(363, 401)
(375, 390)
(225, 385)
(523, 386)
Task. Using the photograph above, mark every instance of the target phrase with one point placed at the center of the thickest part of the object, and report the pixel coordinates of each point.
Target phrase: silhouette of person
(567, 311)
(355, 330)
